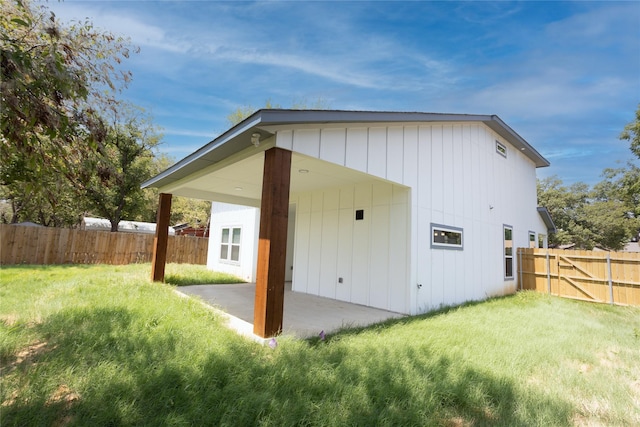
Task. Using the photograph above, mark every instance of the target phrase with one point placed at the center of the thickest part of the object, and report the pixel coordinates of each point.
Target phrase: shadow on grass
(128, 369)
(397, 321)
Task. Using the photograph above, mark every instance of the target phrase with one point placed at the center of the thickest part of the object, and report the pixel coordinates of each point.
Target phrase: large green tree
(631, 133)
(587, 217)
(55, 78)
(52, 203)
(109, 179)
(564, 205)
(608, 214)
(68, 145)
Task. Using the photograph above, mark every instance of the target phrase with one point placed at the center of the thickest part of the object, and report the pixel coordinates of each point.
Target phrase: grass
(101, 345)
(187, 274)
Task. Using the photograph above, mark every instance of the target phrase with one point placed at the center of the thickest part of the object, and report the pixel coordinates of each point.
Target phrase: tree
(195, 212)
(52, 203)
(54, 78)
(631, 133)
(564, 205)
(109, 179)
(589, 217)
(241, 113)
(606, 215)
(63, 130)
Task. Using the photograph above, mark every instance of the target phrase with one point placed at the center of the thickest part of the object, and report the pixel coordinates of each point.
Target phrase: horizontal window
(501, 149)
(446, 237)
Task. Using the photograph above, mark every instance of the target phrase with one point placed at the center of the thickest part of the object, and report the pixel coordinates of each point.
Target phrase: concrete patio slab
(304, 315)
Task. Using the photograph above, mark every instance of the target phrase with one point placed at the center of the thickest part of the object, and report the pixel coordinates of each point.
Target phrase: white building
(401, 211)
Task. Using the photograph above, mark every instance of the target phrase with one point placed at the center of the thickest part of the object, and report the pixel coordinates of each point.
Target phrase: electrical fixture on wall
(303, 170)
(255, 139)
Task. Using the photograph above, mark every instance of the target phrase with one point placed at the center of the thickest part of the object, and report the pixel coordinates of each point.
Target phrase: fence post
(519, 252)
(548, 274)
(610, 277)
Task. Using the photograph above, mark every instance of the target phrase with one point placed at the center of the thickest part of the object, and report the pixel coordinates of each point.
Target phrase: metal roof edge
(289, 116)
(285, 116)
(241, 127)
(546, 218)
(514, 138)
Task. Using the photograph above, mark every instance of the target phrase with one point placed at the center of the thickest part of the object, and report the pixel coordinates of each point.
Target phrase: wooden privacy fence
(46, 245)
(606, 277)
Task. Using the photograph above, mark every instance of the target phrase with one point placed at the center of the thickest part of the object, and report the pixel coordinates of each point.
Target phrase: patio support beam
(161, 240)
(272, 246)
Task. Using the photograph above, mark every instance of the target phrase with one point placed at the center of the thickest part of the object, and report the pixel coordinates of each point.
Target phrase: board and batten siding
(360, 261)
(450, 174)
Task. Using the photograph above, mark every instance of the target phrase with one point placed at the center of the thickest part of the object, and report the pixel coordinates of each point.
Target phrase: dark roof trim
(240, 134)
(546, 218)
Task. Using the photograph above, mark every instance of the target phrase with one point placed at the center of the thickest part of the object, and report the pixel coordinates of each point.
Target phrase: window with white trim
(446, 237)
(532, 240)
(230, 244)
(501, 149)
(508, 251)
(542, 238)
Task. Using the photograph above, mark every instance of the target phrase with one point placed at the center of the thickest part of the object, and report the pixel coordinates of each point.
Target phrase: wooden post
(160, 242)
(610, 278)
(272, 246)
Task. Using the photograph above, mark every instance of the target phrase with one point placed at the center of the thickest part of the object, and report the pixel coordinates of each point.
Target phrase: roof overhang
(546, 218)
(238, 138)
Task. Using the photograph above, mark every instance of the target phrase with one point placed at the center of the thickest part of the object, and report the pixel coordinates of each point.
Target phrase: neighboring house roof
(102, 224)
(632, 247)
(566, 246)
(27, 224)
(546, 218)
(262, 122)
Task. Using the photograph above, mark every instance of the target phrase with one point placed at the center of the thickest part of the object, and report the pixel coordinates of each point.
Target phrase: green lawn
(101, 345)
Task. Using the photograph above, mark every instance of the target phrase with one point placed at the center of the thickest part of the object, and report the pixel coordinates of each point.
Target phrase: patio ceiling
(240, 182)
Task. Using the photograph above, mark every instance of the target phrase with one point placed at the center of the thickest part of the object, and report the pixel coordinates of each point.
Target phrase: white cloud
(549, 95)
(119, 23)
(188, 132)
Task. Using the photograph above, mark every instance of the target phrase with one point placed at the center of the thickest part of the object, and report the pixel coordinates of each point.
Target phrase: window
(532, 240)
(508, 252)
(541, 241)
(445, 237)
(501, 149)
(230, 244)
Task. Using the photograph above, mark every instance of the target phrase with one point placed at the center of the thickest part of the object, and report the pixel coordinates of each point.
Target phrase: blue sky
(564, 75)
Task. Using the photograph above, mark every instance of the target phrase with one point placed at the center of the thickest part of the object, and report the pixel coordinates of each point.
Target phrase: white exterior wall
(454, 177)
(370, 256)
(224, 215)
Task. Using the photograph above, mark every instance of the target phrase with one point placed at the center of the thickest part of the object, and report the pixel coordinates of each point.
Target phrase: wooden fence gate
(605, 277)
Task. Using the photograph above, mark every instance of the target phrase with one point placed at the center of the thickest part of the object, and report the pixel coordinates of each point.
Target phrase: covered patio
(304, 315)
(246, 166)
